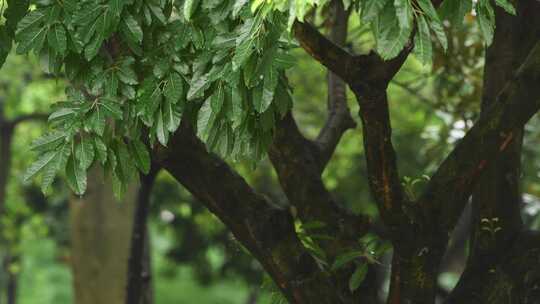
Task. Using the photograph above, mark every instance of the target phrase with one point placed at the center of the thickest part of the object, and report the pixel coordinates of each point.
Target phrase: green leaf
(126, 168)
(76, 177)
(57, 39)
(117, 6)
(38, 165)
(174, 88)
(127, 74)
(403, 12)
(34, 19)
(101, 150)
(97, 121)
(132, 31)
(392, 38)
(344, 259)
(48, 141)
(422, 42)
(205, 120)
(31, 39)
(189, 8)
(217, 99)
(111, 107)
(84, 152)
(161, 131)
(455, 10)
(434, 22)
(371, 9)
(92, 49)
(284, 60)
(140, 154)
(56, 164)
(172, 115)
(485, 20)
(358, 277)
(197, 88)
(507, 6)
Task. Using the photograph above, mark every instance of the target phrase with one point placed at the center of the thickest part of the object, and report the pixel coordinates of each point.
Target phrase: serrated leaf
(84, 152)
(172, 115)
(31, 39)
(126, 168)
(58, 39)
(132, 31)
(403, 13)
(76, 177)
(111, 107)
(217, 99)
(174, 88)
(161, 131)
(97, 121)
(32, 20)
(92, 49)
(140, 154)
(56, 164)
(422, 42)
(198, 87)
(38, 165)
(127, 75)
(205, 120)
(393, 41)
(101, 150)
(434, 21)
(48, 141)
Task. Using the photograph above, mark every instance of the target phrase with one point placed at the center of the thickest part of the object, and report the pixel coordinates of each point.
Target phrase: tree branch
(27, 117)
(329, 54)
(339, 117)
(446, 194)
(266, 231)
(368, 76)
(299, 171)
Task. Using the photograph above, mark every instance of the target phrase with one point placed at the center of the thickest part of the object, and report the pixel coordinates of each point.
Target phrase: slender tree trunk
(6, 136)
(12, 282)
(139, 274)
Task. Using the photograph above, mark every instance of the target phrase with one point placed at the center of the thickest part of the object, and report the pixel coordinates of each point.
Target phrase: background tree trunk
(101, 230)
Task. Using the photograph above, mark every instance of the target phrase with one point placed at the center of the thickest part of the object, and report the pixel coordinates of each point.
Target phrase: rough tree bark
(419, 229)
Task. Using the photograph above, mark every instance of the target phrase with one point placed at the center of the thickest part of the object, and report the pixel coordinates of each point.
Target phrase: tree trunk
(6, 136)
(139, 270)
(12, 282)
(101, 230)
(497, 201)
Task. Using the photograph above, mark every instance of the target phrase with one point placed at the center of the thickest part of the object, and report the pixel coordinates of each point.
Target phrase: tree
(14, 114)
(181, 82)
